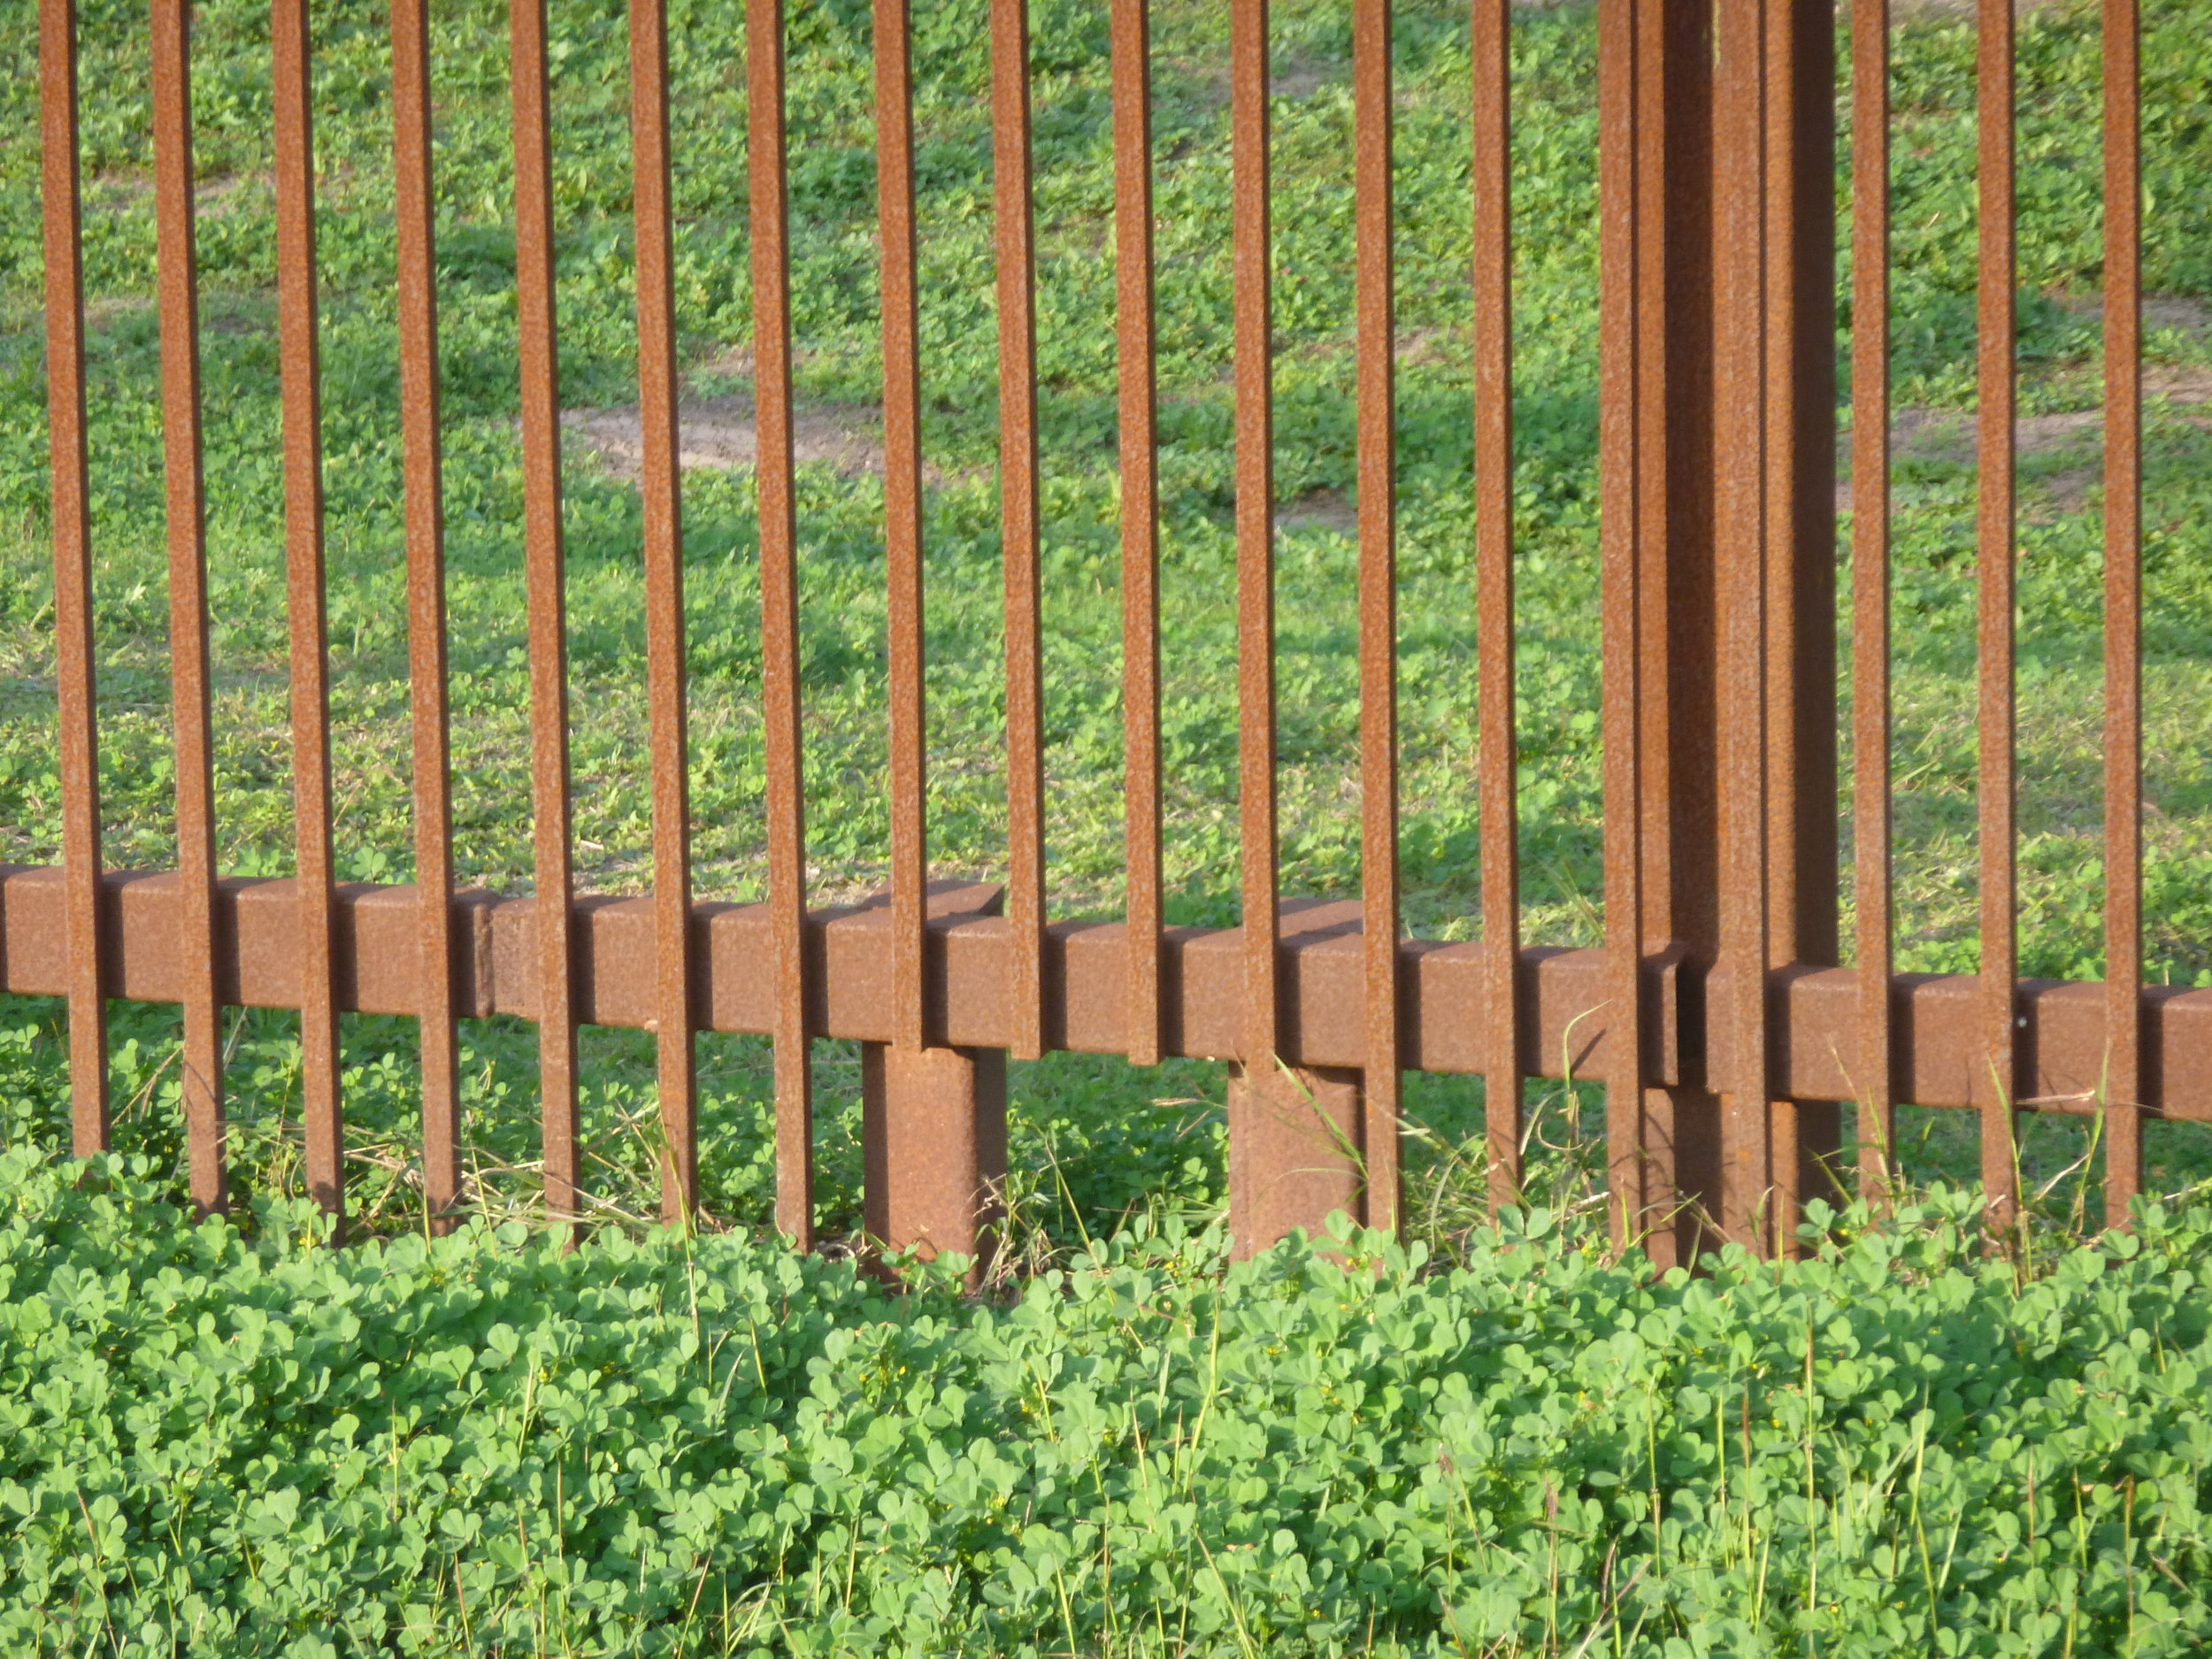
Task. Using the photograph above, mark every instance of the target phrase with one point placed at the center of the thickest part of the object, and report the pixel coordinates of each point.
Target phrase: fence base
(933, 1139)
(1294, 1153)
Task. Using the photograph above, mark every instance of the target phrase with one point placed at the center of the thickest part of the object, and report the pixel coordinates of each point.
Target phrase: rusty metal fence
(1714, 1013)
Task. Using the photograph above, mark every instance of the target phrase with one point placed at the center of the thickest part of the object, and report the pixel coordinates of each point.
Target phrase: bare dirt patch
(1951, 434)
(1329, 509)
(719, 433)
(2179, 312)
(1303, 77)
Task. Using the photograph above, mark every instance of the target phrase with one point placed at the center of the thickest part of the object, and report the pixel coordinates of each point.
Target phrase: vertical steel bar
(298, 342)
(1800, 742)
(202, 1079)
(2123, 609)
(1254, 527)
(902, 514)
(1803, 802)
(423, 458)
(74, 690)
(1778, 620)
(1377, 600)
(544, 564)
(1869, 587)
(1740, 372)
(1670, 1138)
(1139, 517)
(779, 618)
(660, 489)
(1620, 231)
(1497, 742)
(1018, 495)
(1995, 1082)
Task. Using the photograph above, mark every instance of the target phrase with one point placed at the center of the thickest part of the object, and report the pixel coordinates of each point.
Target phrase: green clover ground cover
(232, 1444)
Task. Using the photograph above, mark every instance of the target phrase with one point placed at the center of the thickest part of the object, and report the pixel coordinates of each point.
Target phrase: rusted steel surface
(298, 335)
(903, 507)
(2123, 605)
(1803, 804)
(660, 491)
(1939, 1022)
(1296, 1161)
(1743, 528)
(1566, 1023)
(1997, 1086)
(422, 453)
(201, 1074)
(1018, 497)
(1621, 261)
(779, 619)
(1677, 701)
(1374, 1132)
(1497, 743)
(1803, 912)
(1660, 251)
(1139, 517)
(1870, 592)
(1255, 557)
(78, 717)
(934, 1148)
(544, 569)
(929, 1110)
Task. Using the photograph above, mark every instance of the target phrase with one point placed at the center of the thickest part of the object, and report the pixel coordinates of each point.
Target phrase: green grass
(1118, 1140)
(243, 1443)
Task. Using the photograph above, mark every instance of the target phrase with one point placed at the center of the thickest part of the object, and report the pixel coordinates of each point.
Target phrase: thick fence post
(1294, 1152)
(1304, 1140)
(1721, 479)
(1658, 453)
(934, 1133)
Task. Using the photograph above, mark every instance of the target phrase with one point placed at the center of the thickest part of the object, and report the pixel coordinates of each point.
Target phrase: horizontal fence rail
(1444, 1024)
(1718, 1012)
